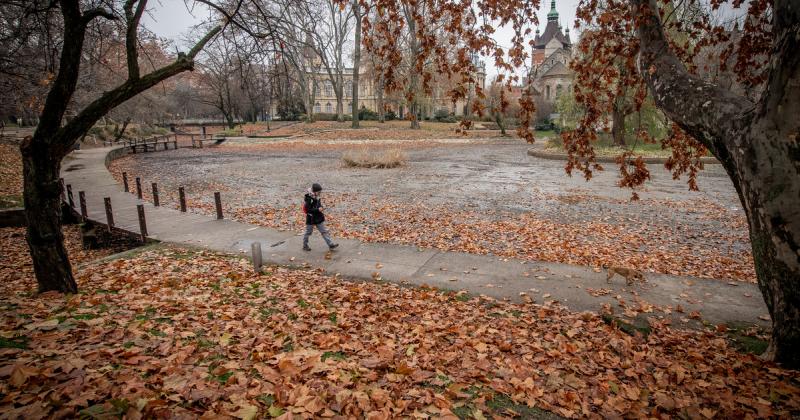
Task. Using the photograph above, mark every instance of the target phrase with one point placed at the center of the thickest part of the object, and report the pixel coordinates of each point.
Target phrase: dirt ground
(482, 196)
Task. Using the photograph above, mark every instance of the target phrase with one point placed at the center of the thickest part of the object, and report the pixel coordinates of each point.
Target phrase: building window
(547, 91)
(317, 108)
(328, 89)
(328, 108)
(348, 88)
(558, 91)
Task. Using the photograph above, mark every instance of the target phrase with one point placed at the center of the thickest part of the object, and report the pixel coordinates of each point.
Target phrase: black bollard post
(155, 194)
(109, 213)
(142, 221)
(139, 188)
(82, 200)
(70, 198)
(125, 181)
(218, 201)
(182, 196)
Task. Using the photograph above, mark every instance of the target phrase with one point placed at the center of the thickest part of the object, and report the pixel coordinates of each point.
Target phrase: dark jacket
(313, 205)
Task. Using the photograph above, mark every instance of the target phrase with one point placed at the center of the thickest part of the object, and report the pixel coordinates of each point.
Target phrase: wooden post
(255, 248)
(155, 194)
(218, 201)
(191, 137)
(70, 198)
(182, 196)
(139, 187)
(63, 189)
(142, 221)
(125, 181)
(82, 200)
(109, 213)
(175, 142)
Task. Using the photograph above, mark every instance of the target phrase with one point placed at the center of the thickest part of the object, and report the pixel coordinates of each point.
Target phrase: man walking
(312, 206)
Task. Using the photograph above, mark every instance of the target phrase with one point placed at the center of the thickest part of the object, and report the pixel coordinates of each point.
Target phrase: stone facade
(325, 96)
(550, 74)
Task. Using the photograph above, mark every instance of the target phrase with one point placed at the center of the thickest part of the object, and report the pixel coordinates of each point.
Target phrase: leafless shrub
(374, 158)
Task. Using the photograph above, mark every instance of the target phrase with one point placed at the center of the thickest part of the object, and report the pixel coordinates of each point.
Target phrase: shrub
(390, 115)
(365, 114)
(376, 159)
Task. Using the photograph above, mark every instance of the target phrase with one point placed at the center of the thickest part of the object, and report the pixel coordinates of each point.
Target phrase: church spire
(553, 15)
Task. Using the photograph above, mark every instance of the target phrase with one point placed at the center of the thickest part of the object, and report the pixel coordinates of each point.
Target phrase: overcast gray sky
(174, 19)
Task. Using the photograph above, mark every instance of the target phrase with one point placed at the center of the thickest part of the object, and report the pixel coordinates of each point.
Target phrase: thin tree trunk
(122, 131)
(380, 104)
(618, 125)
(356, 61)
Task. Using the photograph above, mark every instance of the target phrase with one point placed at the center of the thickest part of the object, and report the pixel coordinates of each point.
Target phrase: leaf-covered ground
(10, 175)
(450, 197)
(173, 332)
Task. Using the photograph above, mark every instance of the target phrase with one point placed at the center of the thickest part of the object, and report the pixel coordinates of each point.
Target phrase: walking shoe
(333, 246)
(306, 248)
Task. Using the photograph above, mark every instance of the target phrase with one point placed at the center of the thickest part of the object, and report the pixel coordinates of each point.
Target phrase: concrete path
(577, 287)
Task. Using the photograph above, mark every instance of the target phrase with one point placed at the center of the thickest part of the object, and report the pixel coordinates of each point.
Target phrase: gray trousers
(322, 230)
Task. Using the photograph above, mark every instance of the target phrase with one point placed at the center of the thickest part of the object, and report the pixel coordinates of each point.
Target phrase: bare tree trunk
(121, 132)
(356, 60)
(618, 125)
(380, 104)
(757, 144)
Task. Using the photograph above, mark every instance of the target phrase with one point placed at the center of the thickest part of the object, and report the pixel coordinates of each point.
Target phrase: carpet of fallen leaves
(175, 333)
(647, 247)
(10, 170)
(717, 250)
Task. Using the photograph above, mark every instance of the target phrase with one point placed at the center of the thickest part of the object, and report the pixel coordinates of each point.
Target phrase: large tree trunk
(758, 145)
(356, 60)
(618, 125)
(42, 198)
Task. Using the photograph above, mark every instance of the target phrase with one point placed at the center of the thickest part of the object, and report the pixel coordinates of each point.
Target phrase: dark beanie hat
(316, 187)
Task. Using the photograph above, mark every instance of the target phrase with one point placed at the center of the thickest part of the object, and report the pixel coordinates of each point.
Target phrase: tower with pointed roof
(552, 51)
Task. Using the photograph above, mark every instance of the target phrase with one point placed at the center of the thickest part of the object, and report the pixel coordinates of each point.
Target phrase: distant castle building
(550, 72)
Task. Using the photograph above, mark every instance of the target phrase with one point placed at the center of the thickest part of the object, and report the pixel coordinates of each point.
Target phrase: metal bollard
(142, 221)
(218, 201)
(155, 194)
(255, 248)
(109, 213)
(182, 196)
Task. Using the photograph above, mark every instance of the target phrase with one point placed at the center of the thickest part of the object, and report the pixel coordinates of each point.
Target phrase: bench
(151, 144)
(198, 139)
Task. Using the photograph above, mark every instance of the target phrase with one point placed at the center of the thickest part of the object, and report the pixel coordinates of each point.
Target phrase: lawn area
(605, 147)
(179, 332)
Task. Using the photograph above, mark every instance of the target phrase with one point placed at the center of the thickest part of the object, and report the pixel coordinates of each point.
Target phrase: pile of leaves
(181, 332)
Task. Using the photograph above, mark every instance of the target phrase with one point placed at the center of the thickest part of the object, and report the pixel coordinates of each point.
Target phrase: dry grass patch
(374, 158)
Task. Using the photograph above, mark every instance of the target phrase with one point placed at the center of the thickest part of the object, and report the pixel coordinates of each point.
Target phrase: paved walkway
(717, 301)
